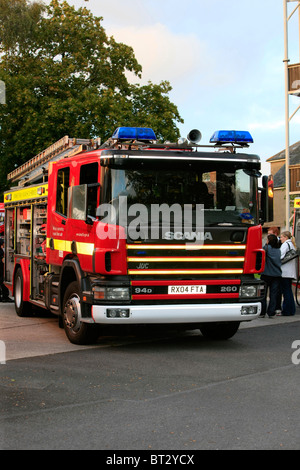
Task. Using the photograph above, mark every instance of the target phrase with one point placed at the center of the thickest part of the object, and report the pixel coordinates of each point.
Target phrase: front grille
(145, 260)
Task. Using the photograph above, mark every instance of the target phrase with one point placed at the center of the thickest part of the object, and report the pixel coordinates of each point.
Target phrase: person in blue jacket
(271, 275)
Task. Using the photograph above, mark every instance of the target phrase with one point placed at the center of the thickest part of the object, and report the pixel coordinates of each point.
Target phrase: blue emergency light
(134, 133)
(233, 137)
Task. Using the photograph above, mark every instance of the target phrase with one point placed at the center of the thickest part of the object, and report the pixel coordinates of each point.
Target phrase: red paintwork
(61, 228)
(254, 246)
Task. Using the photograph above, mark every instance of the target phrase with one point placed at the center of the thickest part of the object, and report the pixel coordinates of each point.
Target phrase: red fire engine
(92, 233)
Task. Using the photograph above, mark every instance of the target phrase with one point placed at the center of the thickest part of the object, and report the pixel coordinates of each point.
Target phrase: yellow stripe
(144, 272)
(187, 259)
(65, 245)
(188, 246)
(85, 248)
(62, 245)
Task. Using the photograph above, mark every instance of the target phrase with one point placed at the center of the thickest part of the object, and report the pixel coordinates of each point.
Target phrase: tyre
(23, 309)
(76, 331)
(219, 331)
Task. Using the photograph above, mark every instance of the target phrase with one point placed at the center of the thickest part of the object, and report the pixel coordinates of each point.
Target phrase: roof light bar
(134, 133)
(233, 137)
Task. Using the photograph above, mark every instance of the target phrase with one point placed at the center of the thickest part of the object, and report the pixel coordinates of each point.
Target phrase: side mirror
(270, 198)
(267, 198)
(89, 220)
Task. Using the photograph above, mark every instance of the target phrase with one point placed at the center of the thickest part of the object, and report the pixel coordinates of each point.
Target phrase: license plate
(186, 290)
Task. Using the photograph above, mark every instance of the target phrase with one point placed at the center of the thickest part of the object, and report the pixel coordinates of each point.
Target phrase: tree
(64, 76)
(18, 23)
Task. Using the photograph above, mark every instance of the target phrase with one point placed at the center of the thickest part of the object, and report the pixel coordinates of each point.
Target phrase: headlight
(111, 293)
(117, 293)
(248, 291)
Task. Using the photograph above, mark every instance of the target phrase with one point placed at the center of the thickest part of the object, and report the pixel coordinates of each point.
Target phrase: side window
(89, 176)
(63, 182)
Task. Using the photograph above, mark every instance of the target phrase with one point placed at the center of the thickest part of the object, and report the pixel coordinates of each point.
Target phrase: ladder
(36, 168)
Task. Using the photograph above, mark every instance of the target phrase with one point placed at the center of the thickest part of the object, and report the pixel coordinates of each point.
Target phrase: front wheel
(76, 331)
(219, 331)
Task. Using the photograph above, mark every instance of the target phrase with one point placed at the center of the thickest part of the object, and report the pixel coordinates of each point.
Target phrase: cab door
(83, 203)
(58, 245)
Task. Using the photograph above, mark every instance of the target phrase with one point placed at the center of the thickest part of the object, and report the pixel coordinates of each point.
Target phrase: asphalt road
(163, 392)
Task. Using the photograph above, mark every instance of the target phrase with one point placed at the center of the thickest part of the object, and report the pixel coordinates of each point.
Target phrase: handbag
(291, 254)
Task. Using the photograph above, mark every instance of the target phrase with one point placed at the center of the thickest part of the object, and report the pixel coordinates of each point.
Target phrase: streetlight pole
(287, 120)
(292, 87)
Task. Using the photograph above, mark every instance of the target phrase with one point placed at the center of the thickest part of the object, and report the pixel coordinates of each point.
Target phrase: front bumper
(176, 314)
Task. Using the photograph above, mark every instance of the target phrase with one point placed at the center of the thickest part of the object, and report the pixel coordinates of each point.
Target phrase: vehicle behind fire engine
(2, 211)
(134, 232)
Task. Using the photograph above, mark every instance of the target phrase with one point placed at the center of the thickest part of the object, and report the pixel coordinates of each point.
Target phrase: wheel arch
(70, 272)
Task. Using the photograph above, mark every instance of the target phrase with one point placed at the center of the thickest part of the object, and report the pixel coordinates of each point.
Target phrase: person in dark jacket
(275, 231)
(4, 292)
(271, 275)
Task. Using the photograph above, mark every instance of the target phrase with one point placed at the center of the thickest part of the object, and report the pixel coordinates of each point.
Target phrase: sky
(223, 59)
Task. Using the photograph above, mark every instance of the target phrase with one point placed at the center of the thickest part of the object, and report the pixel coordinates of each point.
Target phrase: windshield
(228, 195)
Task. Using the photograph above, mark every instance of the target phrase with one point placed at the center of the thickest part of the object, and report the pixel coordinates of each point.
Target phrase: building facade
(277, 163)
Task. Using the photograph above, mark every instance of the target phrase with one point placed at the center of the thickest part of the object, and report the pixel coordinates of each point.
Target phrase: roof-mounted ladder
(36, 167)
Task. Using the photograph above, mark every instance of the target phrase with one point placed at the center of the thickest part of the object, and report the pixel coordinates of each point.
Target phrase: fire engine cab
(137, 232)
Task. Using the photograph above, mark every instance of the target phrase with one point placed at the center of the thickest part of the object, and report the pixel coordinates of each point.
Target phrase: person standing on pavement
(272, 231)
(4, 292)
(271, 275)
(288, 274)
(275, 231)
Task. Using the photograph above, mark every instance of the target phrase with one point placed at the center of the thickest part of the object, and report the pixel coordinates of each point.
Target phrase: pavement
(40, 335)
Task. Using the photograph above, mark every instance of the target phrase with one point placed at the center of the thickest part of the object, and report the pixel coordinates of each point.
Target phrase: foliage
(18, 24)
(65, 76)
